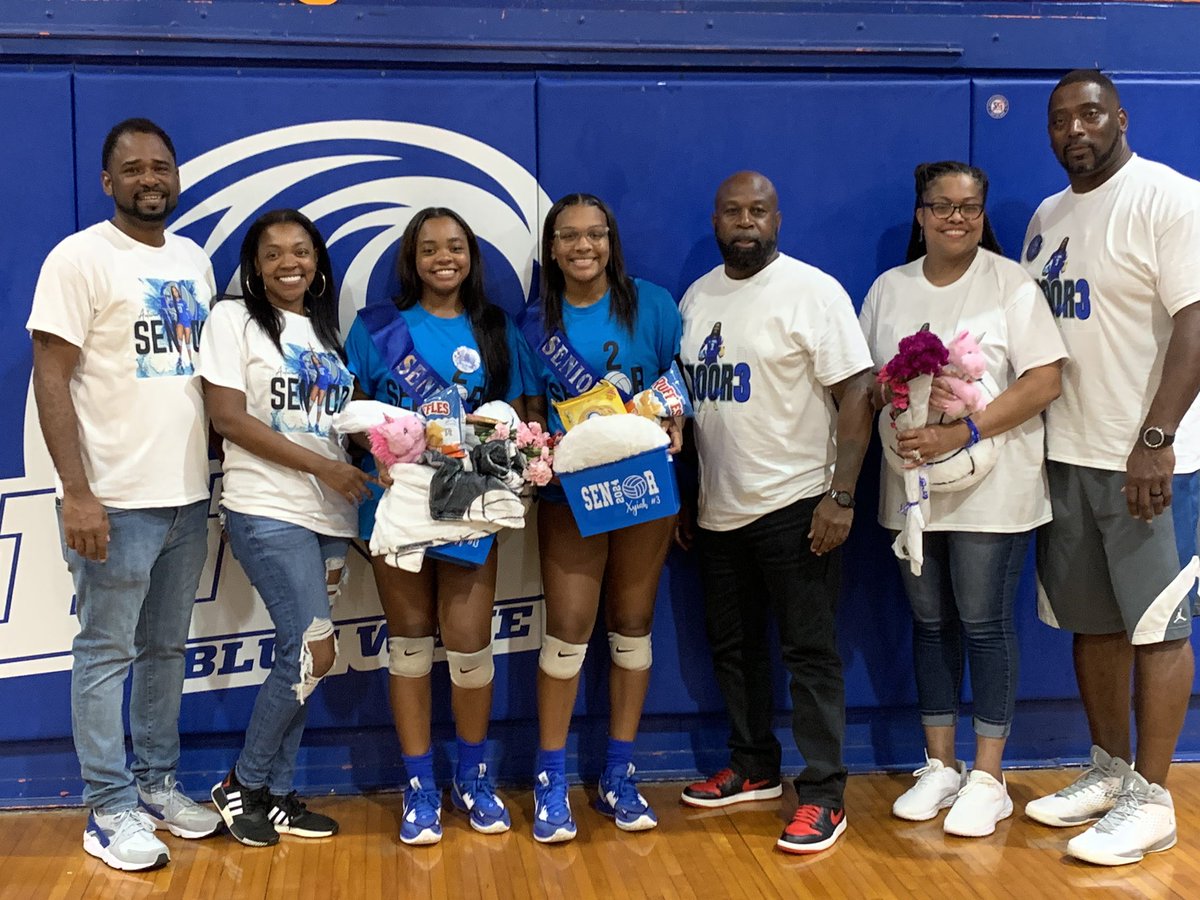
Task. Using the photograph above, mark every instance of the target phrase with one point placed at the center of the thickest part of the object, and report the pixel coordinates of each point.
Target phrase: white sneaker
(981, 803)
(1141, 822)
(169, 807)
(1086, 799)
(937, 786)
(125, 841)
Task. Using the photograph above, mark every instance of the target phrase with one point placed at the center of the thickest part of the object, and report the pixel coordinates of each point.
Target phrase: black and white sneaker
(245, 812)
(290, 815)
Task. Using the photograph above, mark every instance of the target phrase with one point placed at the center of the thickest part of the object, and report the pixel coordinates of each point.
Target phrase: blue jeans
(134, 610)
(966, 590)
(286, 565)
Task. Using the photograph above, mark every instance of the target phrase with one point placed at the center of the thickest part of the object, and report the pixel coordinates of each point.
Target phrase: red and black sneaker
(813, 829)
(727, 787)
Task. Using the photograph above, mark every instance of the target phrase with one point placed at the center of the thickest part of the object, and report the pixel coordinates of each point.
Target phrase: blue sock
(420, 767)
(620, 754)
(469, 757)
(552, 760)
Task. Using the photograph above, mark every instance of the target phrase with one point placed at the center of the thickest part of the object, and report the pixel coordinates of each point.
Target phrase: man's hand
(830, 526)
(85, 525)
(1148, 475)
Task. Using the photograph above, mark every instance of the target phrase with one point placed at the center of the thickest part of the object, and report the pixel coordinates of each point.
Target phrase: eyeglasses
(571, 236)
(943, 210)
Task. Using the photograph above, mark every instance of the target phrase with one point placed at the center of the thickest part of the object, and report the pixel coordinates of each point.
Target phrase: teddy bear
(966, 366)
(399, 439)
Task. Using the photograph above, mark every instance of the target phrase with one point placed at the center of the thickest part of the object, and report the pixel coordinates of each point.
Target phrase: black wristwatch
(1155, 438)
(844, 499)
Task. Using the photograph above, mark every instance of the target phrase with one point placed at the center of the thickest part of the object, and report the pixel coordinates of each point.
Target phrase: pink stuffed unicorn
(399, 439)
(967, 365)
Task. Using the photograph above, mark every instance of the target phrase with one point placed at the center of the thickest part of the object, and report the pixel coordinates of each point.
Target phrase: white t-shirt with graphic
(762, 353)
(136, 314)
(1004, 310)
(1116, 263)
(297, 393)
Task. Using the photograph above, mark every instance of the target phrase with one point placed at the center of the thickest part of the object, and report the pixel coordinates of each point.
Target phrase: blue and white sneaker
(421, 821)
(170, 808)
(552, 821)
(620, 798)
(125, 841)
(477, 798)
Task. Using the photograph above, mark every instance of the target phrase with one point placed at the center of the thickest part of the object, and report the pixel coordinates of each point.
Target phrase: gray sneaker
(125, 841)
(1086, 799)
(170, 808)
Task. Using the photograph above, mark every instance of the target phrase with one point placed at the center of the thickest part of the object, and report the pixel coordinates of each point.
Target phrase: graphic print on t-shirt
(166, 335)
(308, 390)
(713, 380)
(1069, 298)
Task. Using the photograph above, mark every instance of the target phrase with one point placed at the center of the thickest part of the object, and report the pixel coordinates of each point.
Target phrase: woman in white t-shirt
(288, 495)
(977, 537)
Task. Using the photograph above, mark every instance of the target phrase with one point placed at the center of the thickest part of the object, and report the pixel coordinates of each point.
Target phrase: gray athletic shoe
(170, 808)
(125, 841)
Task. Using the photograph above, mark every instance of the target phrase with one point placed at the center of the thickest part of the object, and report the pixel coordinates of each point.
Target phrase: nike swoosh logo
(411, 652)
(561, 655)
(624, 649)
(467, 671)
(836, 817)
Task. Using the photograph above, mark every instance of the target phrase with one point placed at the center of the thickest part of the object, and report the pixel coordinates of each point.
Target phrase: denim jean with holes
(964, 596)
(286, 563)
(134, 611)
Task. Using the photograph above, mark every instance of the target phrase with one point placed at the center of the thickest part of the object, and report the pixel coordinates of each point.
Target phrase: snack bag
(667, 396)
(602, 400)
(445, 422)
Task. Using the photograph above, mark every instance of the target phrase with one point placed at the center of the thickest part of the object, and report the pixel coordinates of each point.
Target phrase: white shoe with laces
(125, 841)
(1142, 821)
(937, 786)
(981, 803)
(1086, 799)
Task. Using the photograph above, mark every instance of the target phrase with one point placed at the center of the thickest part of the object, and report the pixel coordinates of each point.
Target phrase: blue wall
(649, 108)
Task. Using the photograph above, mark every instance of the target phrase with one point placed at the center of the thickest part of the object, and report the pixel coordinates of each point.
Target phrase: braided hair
(925, 175)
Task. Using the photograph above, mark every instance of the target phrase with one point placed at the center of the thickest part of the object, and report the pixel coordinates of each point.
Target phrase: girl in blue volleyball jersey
(468, 342)
(629, 330)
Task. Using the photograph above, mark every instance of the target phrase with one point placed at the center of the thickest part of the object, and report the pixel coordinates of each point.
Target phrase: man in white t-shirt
(116, 322)
(1117, 255)
(778, 365)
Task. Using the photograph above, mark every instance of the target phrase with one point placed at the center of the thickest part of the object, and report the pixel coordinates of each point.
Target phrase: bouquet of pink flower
(919, 354)
(535, 448)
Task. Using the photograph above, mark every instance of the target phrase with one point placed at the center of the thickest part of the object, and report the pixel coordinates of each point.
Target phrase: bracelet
(974, 429)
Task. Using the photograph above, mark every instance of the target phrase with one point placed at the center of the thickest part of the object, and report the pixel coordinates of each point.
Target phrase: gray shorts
(1101, 571)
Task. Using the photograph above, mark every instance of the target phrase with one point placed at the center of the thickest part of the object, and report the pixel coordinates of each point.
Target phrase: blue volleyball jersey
(631, 361)
(449, 346)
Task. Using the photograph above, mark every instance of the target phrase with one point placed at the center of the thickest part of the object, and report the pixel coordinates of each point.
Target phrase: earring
(920, 235)
(250, 288)
(324, 284)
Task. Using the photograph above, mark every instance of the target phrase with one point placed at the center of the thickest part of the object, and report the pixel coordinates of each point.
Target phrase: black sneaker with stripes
(290, 816)
(245, 812)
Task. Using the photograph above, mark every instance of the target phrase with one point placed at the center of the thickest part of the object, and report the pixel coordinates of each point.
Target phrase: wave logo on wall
(360, 181)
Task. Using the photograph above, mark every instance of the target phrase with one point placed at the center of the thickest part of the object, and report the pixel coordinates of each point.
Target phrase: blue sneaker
(552, 821)
(620, 798)
(421, 821)
(477, 798)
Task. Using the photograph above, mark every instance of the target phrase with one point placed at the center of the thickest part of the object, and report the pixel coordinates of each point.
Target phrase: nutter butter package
(667, 396)
(445, 421)
(602, 400)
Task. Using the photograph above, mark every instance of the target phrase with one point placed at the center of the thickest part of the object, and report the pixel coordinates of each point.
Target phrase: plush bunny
(967, 365)
(399, 439)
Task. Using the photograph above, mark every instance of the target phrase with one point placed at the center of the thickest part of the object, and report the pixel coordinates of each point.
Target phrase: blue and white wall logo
(360, 181)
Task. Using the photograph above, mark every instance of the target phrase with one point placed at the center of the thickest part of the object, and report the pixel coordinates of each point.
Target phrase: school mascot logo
(360, 181)
(1069, 298)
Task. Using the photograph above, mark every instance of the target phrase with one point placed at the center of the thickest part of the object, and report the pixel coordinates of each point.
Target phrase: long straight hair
(322, 307)
(488, 324)
(623, 296)
(926, 174)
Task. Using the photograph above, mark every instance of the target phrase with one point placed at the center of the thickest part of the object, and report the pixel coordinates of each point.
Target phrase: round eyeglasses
(943, 210)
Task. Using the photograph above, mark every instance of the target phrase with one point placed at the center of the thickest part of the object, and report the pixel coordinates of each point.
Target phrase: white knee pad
(559, 659)
(631, 653)
(471, 670)
(410, 657)
(318, 630)
(332, 565)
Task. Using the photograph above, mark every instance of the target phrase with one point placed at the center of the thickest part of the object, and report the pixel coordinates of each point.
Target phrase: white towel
(605, 439)
(359, 416)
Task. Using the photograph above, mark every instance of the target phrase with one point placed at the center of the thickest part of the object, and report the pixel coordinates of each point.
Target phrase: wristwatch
(844, 499)
(1155, 438)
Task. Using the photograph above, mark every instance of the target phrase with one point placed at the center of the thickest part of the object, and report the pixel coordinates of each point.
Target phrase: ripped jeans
(290, 567)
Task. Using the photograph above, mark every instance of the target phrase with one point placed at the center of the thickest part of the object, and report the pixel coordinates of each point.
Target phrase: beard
(743, 258)
(132, 210)
(1099, 159)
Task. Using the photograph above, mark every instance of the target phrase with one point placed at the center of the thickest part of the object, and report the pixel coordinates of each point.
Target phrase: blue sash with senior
(390, 334)
(566, 363)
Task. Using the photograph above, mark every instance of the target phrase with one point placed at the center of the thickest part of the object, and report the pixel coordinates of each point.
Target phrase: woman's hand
(349, 481)
(673, 426)
(385, 476)
(919, 445)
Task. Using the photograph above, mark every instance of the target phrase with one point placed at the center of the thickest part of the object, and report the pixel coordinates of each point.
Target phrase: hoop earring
(250, 289)
(324, 284)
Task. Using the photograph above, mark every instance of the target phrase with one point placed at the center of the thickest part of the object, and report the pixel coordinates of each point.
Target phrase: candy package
(602, 400)
(445, 421)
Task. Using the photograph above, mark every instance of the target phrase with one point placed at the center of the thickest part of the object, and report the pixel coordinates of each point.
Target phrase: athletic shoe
(1086, 799)
(552, 820)
(290, 815)
(937, 786)
(421, 820)
(620, 799)
(478, 799)
(169, 807)
(813, 829)
(981, 803)
(728, 787)
(245, 812)
(1142, 821)
(125, 841)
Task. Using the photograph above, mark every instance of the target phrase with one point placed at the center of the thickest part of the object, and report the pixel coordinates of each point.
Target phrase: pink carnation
(539, 472)
(501, 432)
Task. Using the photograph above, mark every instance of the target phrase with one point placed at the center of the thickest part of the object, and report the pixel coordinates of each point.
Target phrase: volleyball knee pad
(631, 653)
(471, 670)
(559, 659)
(410, 657)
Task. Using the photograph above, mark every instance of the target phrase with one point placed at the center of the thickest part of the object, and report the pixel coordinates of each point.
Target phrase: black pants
(763, 568)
